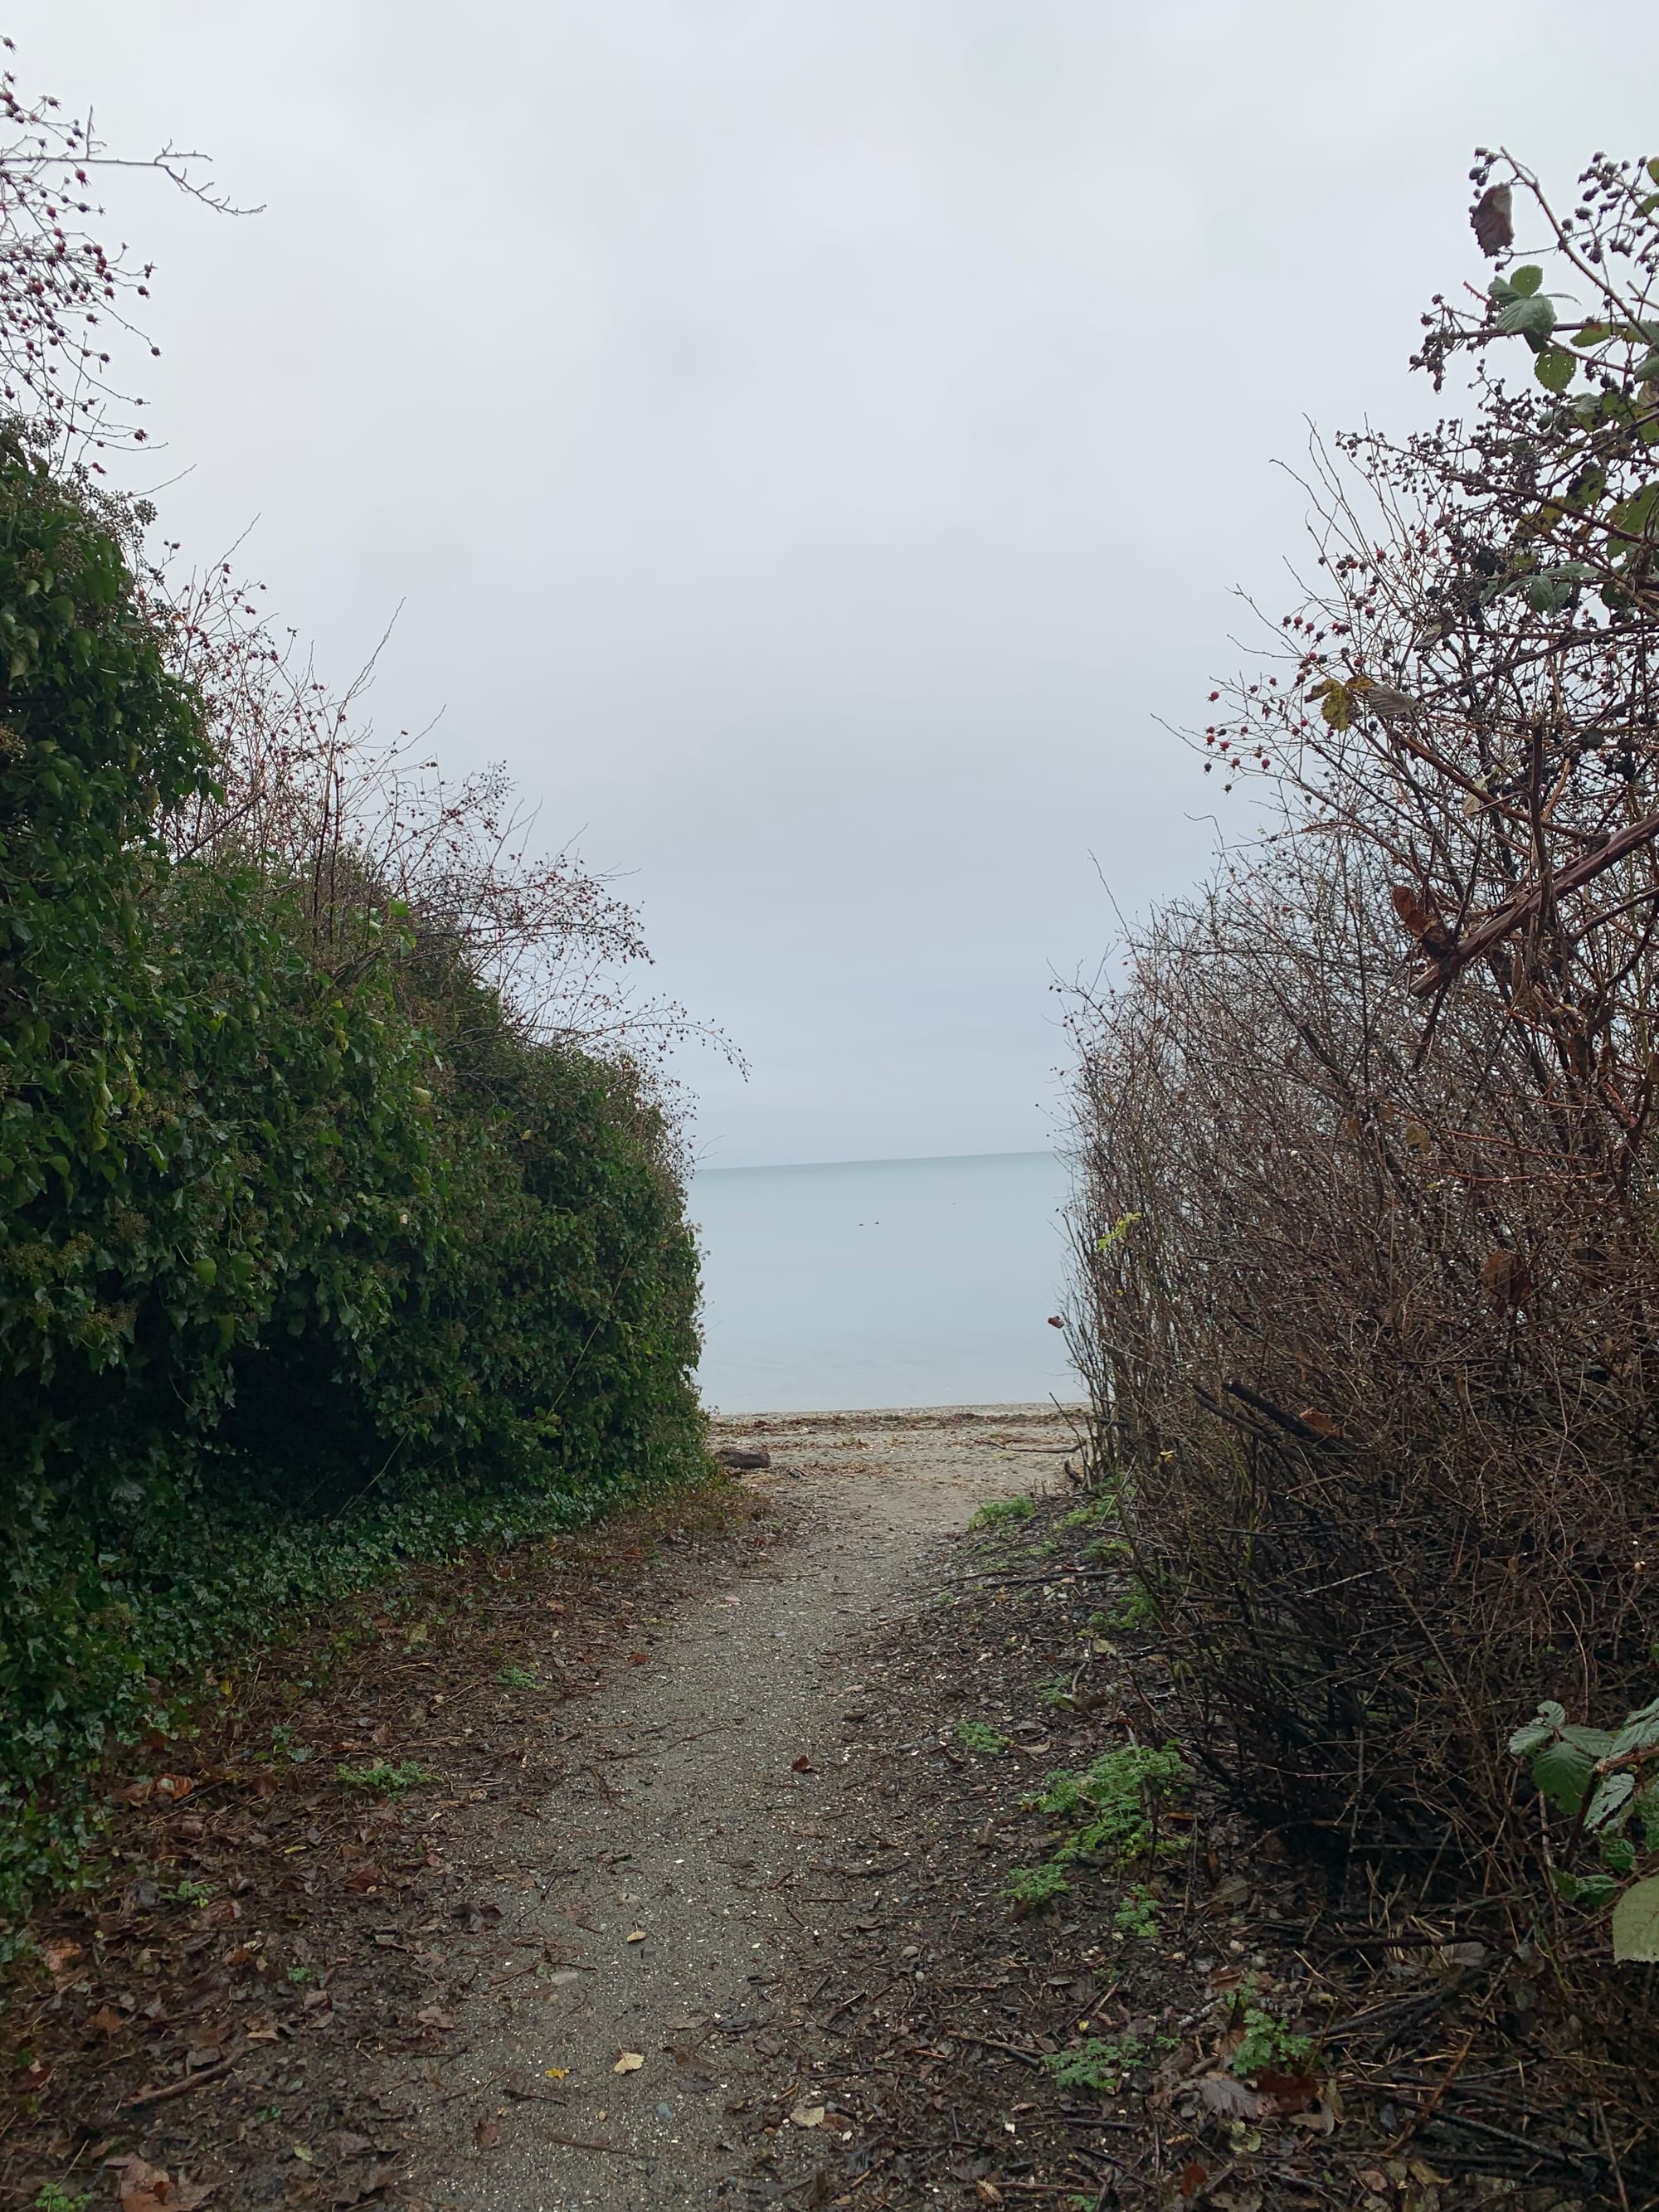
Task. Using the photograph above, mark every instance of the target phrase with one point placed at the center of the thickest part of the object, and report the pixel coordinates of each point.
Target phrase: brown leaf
(146, 2188)
(638, 1659)
(107, 2020)
(1506, 1278)
(802, 1765)
(137, 1793)
(434, 2015)
(59, 1957)
(366, 1876)
(1291, 2092)
(264, 1785)
(173, 1786)
(1230, 2099)
(1321, 1424)
(1493, 220)
(1193, 2178)
(487, 2134)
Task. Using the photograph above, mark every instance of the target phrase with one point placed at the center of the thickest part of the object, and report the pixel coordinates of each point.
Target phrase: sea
(862, 1284)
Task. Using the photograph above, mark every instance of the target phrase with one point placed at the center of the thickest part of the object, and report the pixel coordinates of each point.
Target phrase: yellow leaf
(557, 2073)
(636, 1935)
(629, 2061)
(808, 2115)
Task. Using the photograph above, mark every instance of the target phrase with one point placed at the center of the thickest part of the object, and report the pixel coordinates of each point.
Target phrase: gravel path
(645, 1920)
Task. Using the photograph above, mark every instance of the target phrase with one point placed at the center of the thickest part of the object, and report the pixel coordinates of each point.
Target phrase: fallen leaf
(802, 1765)
(107, 2020)
(146, 2188)
(557, 2073)
(59, 1956)
(1230, 2099)
(137, 1793)
(487, 2134)
(173, 1786)
(629, 2061)
(807, 2116)
(1421, 2170)
(366, 1876)
(304, 2153)
(434, 2017)
(35, 2077)
(1193, 2178)
(636, 1934)
(638, 1659)
(260, 2030)
(1291, 2092)
(988, 2192)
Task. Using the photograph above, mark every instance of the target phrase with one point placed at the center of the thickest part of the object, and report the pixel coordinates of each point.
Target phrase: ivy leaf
(1554, 367)
(1636, 1921)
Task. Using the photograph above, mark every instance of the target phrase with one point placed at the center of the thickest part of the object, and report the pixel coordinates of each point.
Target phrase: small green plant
(1118, 1799)
(50, 2198)
(1057, 1690)
(189, 1892)
(1600, 1778)
(1098, 2064)
(1267, 2043)
(302, 1975)
(516, 1677)
(1135, 1610)
(1137, 1912)
(999, 1512)
(974, 1735)
(1030, 1888)
(383, 1779)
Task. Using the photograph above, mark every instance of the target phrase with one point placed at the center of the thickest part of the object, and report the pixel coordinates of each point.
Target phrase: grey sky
(813, 438)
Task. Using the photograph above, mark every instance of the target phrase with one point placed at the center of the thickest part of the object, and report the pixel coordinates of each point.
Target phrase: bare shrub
(1366, 1216)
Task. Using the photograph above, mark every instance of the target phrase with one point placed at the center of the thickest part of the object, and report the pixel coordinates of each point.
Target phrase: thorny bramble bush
(1366, 1231)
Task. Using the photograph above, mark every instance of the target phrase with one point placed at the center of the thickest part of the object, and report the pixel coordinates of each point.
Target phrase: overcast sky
(812, 441)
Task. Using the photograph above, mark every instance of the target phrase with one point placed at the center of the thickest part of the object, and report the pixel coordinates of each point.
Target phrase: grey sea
(873, 1283)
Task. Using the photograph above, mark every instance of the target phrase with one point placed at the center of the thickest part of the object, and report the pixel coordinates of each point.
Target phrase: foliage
(384, 1779)
(1116, 1802)
(974, 1735)
(1030, 1888)
(1137, 1911)
(1598, 1778)
(1102, 2064)
(339, 1223)
(1000, 1512)
(1266, 2043)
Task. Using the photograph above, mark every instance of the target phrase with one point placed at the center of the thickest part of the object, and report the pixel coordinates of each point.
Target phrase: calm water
(883, 1283)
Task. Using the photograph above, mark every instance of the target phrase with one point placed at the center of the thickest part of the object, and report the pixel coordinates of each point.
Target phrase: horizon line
(879, 1160)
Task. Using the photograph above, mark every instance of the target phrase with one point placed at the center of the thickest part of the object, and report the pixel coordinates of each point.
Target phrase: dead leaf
(137, 1793)
(1291, 2092)
(1237, 2200)
(1230, 2099)
(1421, 2171)
(638, 1659)
(59, 1957)
(629, 2061)
(107, 2020)
(434, 2017)
(557, 2073)
(35, 2077)
(260, 2030)
(1321, 1424)
(1493, 220)
(173, 1786)
(146, 2188)
(1193, 2178)
(988, 2192)
(802, 1765)
(636, 1934)
(807, 2116)
(366, 1876)
(487, 2134)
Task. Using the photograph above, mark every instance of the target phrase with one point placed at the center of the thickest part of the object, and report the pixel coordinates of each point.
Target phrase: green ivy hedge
(285, 1293)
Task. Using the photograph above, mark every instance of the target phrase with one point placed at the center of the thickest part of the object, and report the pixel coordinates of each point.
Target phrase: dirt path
(654, 1916)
